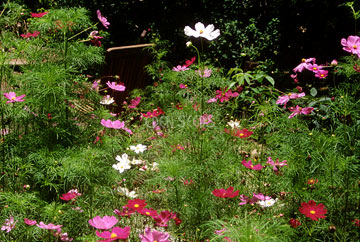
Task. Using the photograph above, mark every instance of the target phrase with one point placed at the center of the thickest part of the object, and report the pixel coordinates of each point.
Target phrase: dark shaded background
(308, 28)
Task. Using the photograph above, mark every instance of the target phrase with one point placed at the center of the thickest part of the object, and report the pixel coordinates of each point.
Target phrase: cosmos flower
(12, 98)
(313, 211)
(106, 222)
(228, 193)
(116, 233)
(115, 86)
(102, 19)
(154, 235)
(207, 32)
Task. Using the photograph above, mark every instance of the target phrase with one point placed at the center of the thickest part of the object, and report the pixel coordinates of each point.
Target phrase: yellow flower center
(289, 94)
(136, 205)
(201, 31)
(13, 98)
(322, 75)
(314, 68)
(155, 241)
(303, 60)
(312, 212)
(251, 166)
(147, 213)
(355, 46)
(241, 134)
(113, 235)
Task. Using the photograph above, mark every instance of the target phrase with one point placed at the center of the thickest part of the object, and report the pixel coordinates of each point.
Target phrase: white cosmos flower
(107, 100)
(234, 124)
(138, 148)
(124, 191)
(267, 203)
(137, 162)
(121, 166)
(123, 158)
(200, 31)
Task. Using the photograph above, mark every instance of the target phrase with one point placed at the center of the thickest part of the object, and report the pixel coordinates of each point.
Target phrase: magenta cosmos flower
(134, 102)
(115, 234)
(163, 218)
(38, 15)
(321, 74)
(154, 235)
(28, 35)
(70, 195)
(351, 44)
(106, 222)
(136, 204)
(299, 110)
(228, 193)
(115, 86)
(13, 98)
(249, 165)
(102, 19)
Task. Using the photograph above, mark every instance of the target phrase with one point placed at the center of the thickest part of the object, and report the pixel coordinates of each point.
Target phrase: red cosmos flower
(241, 133)
(313, 211)
(294, 223)
(163, 218)
(148, 212)
(38, 15)
(28, 35)
(225, 193)
(190, 62)
(154, 113)
(356, 222)
(136, 204)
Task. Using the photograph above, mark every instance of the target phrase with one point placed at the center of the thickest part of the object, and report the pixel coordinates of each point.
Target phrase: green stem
(75, 35)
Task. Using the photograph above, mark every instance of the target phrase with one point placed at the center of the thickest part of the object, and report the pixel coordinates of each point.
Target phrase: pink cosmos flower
(70, 195)
(183, 86)
(9, 224)
(256, 197)
(225, 96)
(321, 74)
(212, 100)
(29, 222)
(351, 44)
(117, 124)
(314, 67)
(303, 65)
(334, 62)
(49, 226)
(299, 110)
(154, 235)
(260, 196)
(180, 68)
(190, 62)
(276, 165)
(282, 100)
(163, 218)
(116, 233)
(28, 35)
(228, 193)
(38, 15)
(117, 87)
(136, 204)
(13, 98)
(95, 85)
(249, 165)
(102, 19)
(95, 39)
(65, 237)
(134, 102)
(206, 73)
(106, 222)
(205, 119)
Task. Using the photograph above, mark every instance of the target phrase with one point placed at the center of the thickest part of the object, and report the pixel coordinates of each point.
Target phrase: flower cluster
(223, 95)
(259, 198)
(309, 64)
